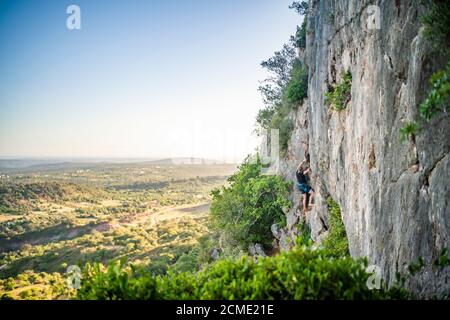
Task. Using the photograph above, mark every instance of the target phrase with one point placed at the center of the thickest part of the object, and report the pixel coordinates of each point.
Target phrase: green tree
(299, 39)
(300, 6)
(245, 210)
(279, 67)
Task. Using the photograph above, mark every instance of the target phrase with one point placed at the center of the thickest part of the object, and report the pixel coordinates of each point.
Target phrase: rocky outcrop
(394, 196)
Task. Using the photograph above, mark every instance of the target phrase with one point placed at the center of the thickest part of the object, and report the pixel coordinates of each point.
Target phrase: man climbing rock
(302, 184)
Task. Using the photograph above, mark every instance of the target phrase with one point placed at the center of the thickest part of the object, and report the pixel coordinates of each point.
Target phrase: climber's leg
(305, 201)
(311, 197)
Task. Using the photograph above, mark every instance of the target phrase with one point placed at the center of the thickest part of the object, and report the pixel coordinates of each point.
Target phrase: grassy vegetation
(30, 285)
(410, 129)
(143, 244)
(19, 198)
(304, 238)
(438, 99)
(301, 273)
(336, 243)
(338, 97)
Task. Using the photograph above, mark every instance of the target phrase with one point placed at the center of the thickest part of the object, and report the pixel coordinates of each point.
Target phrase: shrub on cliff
(340, 95)
(297, 88)
(436, 23)
(336, 243)
(436, 102)
(299, 39)
(246, 209)
(438, 98)
(411, 128)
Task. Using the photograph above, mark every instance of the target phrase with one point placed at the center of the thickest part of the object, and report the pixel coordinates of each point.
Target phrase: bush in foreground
(302, 273)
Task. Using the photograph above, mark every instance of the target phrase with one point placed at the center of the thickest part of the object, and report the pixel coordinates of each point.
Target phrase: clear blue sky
(140, 79)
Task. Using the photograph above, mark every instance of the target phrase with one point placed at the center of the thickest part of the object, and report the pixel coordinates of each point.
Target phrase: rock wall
(394, 196)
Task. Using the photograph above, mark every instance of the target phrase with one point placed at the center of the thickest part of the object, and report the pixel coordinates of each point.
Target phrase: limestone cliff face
(394, 197)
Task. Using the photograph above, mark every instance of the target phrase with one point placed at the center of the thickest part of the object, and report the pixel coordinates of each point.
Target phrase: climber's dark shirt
(301, 177)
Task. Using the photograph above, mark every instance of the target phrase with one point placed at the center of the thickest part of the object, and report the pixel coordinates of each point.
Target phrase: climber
(302, 184)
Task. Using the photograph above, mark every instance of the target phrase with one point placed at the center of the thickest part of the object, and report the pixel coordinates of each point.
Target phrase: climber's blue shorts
(304, 188)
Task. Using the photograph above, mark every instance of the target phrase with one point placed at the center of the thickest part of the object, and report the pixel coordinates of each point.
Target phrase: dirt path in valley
(190, 210)
(66, 231)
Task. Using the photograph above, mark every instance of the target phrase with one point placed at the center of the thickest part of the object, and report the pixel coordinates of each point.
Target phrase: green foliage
(443, 260)
(415, 267)
(436, 30)
(32, 286)
(408, 130)
(277, 118)
(438, 98)
(301, 273)
(285, 126)
(299, 39)
(437, 101)
(264, 117)
(23, 197)
(279, 67)
(336, 242)
(340, 95)
(247, 208)
(436, 23)
(304, 238)
(116, 282)
(276, 115)
(158, 265)
(300, 6)
(297, 88)
(285, 129)
(188, 262)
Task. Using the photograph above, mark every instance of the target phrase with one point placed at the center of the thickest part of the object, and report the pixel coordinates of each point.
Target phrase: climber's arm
(300, 165)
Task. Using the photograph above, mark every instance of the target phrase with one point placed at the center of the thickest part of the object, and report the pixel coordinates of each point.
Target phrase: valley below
(54, 217)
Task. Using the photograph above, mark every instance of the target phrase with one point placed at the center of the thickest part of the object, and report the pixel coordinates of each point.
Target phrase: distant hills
(184, 161)
(66, 163)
